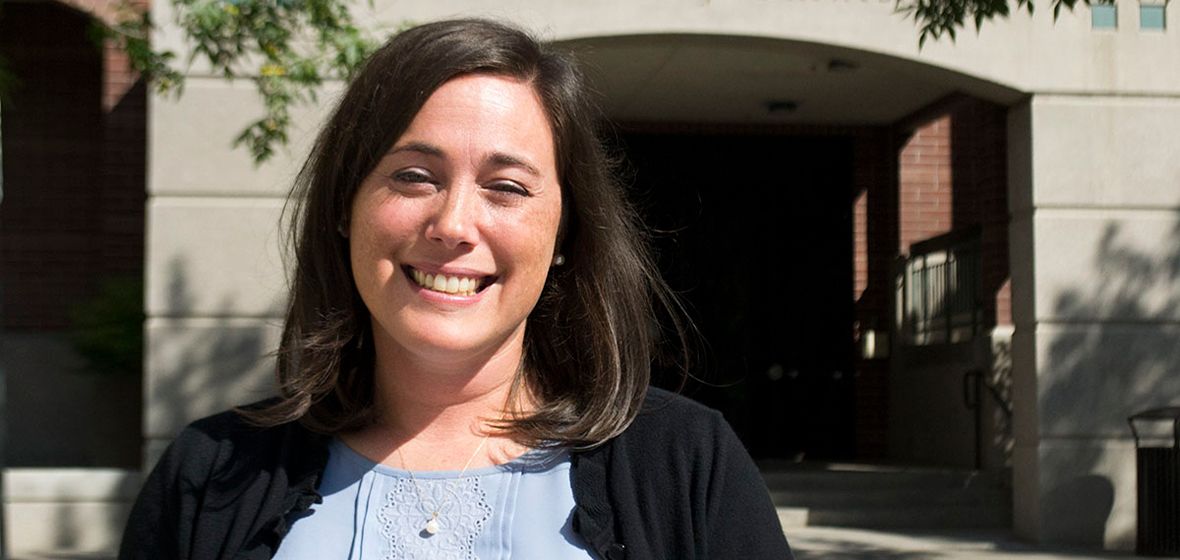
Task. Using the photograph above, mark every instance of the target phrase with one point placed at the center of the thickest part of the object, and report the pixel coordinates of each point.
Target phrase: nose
(454, 221)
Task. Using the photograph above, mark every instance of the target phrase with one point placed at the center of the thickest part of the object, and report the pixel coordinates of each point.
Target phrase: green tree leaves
(289, 48)
(942, 18)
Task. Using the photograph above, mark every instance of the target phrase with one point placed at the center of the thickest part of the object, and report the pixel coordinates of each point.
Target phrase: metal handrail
(975, 378)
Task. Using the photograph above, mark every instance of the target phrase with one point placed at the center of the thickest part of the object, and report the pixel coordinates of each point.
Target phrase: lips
(453, 284)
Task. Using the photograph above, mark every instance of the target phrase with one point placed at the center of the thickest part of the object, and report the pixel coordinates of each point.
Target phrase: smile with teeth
(455, 285)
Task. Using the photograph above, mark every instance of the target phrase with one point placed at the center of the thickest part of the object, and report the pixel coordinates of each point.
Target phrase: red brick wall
(73, 163)
(874, 249)
(925, 180)
(979, 158)
(124, 165)
(51, 133)
(953, 175)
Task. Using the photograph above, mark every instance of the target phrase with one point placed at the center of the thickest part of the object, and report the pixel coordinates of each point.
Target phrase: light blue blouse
(522, 509)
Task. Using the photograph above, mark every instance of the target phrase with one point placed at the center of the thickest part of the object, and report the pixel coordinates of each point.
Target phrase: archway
(786, 180)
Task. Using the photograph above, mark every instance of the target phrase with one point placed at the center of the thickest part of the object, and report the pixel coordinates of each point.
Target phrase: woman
(464, 366)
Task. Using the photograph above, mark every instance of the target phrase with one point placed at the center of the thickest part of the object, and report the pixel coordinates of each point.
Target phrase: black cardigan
(676, 485)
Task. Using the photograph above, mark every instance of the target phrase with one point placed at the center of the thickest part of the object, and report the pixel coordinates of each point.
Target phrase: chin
(450, 340)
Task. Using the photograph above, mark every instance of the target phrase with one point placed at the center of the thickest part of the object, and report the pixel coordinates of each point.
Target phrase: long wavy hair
(590, 341)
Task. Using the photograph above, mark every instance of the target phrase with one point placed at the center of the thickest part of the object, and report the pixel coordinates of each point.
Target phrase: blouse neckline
(533, 460)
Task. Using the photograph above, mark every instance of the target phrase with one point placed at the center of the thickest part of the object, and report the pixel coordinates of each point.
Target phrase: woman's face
(452, 234)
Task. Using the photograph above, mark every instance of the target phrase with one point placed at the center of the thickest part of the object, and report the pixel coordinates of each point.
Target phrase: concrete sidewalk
(831, 543)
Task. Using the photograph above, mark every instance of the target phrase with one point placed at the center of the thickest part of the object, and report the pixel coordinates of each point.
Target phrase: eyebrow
(420, 147)
(498, 158)
(506, 160)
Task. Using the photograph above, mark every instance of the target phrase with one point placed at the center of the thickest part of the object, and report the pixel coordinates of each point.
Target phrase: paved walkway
(829, 543)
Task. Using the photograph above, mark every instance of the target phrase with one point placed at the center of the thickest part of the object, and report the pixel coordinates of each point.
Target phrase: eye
(412, 176)
(509, 187)
(413, 181)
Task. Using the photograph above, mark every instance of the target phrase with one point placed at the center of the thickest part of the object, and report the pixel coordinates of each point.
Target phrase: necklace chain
(431, 526)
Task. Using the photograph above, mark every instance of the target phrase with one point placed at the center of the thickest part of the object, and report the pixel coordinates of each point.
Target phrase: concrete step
(890, 497)
(792, 516)
(851, 477)
(883, 497)
(918, 517)
(945, 518)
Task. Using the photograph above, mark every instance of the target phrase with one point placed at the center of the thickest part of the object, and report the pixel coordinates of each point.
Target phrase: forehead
(484, 111)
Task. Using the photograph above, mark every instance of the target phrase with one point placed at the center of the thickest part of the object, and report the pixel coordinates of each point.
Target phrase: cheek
(360, 241)
(545, 237)
(383, 222)
(372, 242)
(543, 250)
(360, 257)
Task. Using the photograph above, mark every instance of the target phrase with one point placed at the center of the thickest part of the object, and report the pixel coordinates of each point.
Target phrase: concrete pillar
(1095, 248)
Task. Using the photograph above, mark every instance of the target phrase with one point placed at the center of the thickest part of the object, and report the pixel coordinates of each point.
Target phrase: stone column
(1095, 248)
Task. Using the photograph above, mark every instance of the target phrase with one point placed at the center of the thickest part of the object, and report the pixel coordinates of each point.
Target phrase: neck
(421, 397)
(438, 407)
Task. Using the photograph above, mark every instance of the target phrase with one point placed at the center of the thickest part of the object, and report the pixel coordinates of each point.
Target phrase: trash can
(1157, 457)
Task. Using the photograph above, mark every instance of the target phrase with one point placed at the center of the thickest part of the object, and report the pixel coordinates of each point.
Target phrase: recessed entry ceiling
(746, 80)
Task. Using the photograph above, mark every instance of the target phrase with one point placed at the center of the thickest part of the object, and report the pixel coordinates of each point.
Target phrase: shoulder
(227, 428)
(674, 426)
(665, 412)
(665, 403)
(228, 441)
(221, 474)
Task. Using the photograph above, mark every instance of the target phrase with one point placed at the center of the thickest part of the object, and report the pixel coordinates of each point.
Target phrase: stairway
(883, 497)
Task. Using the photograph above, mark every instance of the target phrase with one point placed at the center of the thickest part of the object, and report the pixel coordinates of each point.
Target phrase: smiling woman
(464, 365)
(453, 233)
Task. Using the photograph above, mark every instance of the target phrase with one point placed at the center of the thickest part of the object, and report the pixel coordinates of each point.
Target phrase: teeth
(447, 284)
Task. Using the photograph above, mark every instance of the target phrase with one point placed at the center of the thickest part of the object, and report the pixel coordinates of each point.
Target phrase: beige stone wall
(1096, 289)
(66, 513)
(215, 275)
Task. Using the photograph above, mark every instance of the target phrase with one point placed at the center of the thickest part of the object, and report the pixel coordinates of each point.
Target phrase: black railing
(939, 289)
(974, 384)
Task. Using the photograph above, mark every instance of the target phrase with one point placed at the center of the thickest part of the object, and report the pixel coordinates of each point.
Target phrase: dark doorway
(755, 233)
(71, 243)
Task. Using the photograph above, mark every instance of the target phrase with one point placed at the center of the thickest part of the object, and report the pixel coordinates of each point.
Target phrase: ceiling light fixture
(839, 66)
(781, 107)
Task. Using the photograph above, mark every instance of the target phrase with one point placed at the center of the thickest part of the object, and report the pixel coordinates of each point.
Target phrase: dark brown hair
(591, 339)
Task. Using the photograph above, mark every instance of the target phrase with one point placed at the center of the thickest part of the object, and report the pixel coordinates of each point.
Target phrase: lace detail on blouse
(462, 508)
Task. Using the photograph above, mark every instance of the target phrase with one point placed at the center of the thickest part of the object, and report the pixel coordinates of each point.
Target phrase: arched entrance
(789, 182)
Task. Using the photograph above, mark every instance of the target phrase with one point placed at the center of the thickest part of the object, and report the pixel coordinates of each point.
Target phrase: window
(1152, 16)
(1104, 16)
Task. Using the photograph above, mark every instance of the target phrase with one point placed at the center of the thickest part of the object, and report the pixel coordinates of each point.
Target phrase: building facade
(975, 244)
(1056, 151)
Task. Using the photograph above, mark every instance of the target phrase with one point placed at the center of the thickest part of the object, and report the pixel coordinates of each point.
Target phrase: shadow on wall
(996, 399)
(1114, 353)
(202, 364)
